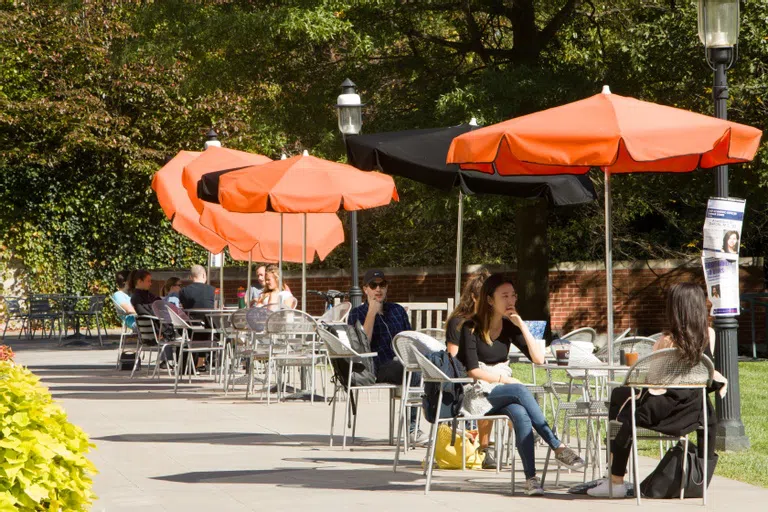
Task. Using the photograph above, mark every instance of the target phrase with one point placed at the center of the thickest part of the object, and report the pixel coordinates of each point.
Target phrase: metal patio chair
(150, 342)
(410, 396)
(664, 369)
(293, 331)
(431, 373)
(123, 315)
(337, 349)
(15, 311)
(337, 314)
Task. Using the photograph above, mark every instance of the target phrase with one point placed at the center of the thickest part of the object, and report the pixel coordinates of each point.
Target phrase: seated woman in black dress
(483, 349)
(674, 411)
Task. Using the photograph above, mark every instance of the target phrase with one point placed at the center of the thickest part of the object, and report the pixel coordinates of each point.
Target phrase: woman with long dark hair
(731, 242)
(672, 411)
(483, 349)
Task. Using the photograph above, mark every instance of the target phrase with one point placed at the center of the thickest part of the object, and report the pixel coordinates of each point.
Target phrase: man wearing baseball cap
(382, 321)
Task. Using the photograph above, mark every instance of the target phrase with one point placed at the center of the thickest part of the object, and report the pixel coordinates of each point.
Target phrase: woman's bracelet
(499, 378)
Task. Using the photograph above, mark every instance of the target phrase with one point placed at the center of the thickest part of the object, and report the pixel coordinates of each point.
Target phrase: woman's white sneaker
(601, 490)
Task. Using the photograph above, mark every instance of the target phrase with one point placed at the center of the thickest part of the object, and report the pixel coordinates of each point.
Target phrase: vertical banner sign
(217, 260)
(720, 257)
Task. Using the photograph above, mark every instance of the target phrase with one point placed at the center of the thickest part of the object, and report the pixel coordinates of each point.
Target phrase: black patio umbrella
(420, 155)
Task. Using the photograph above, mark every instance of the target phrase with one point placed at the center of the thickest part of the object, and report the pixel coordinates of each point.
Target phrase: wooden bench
(428, 315)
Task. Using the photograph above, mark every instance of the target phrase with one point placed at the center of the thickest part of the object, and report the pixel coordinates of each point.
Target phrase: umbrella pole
(609, 262)
(280, 267)
(221, 281)
(304, 267)
(248, 290)
(208, 273)
(459, 244)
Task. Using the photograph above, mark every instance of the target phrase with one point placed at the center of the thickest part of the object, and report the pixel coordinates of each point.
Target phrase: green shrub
(43, 464)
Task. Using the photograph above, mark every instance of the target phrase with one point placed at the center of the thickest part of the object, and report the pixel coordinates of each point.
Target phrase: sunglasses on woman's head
(373, 285)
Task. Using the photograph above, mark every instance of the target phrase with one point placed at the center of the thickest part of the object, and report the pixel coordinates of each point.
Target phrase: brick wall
(577, 290)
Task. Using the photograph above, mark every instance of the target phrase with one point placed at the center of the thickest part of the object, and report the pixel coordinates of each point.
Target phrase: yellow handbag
(448, 456)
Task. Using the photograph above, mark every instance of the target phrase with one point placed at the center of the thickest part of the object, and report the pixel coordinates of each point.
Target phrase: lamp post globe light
(719, 32)
(212, 139)
(350, 113)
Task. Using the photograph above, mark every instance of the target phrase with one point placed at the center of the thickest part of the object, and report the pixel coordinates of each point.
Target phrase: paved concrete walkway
(199, 450)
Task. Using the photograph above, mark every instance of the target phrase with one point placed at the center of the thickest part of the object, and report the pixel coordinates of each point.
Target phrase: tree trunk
(533, 261)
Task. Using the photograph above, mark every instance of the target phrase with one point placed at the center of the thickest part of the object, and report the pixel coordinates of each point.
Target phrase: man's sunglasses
(374, 285)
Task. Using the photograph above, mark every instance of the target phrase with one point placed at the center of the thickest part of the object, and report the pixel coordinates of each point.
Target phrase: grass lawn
(750, 466)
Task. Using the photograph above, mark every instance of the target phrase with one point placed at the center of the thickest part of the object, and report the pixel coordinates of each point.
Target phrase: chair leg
(400, 420)
(137, 360)
(704, 482)
(270, 363)
(635, 457)
(120, 348)
(177, 372)
(511, 443)
(348, 408)
(499, 446)
(354, 416)
(432, 443)
(312, 376)
(333, 413)
(685, 468)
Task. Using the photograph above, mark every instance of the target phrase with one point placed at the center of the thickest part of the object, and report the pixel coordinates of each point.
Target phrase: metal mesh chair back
(239, 320)
(175, 318)
(96, 304)
(429, 371)
(257, 319)
(656, 336)
(581, 334)
(40, 306)
(145, 325)
(337, 314)
(290, 321)
(160, 309)
(622, 335)
(13, 306)
(437, 334)
(336, 347)
(666, 369)
(407, 342)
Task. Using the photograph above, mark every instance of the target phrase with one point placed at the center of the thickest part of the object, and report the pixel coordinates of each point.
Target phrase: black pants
(391, 372)
(621, 449)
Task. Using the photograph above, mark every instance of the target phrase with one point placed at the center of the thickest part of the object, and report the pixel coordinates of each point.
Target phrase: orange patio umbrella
(616, 133)
(248, 231)
(215, 160)
(185, 219)
(304, 184)
(176, 205)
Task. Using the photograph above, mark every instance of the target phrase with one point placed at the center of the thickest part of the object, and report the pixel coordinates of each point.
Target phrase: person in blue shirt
(123, 300)
(382, 321)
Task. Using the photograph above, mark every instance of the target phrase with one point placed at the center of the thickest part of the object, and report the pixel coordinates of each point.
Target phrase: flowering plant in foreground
(6, 353)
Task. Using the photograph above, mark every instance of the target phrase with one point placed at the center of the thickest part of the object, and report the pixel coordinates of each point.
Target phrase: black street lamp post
(719, 31)
(349, 110)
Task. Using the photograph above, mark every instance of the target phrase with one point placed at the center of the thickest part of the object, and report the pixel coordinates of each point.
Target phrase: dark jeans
(391, 372)
(520, 406)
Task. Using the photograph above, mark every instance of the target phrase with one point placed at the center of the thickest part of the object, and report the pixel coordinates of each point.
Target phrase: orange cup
(631, 358)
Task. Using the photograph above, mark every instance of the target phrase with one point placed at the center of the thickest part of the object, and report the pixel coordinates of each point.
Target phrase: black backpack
(453, 394)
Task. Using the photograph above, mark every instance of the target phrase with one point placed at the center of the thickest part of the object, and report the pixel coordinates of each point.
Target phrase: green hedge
(43, 464)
